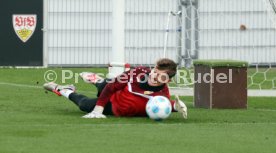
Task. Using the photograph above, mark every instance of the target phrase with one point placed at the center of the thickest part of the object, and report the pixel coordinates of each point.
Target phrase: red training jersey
(125, 102)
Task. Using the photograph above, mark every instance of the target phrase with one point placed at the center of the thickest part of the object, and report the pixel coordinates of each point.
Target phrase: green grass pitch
(33, 121)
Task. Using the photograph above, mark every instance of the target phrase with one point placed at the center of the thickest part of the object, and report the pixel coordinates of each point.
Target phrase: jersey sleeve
(167, 93)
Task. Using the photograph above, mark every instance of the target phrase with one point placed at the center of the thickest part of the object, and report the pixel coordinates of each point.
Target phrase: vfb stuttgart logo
(24, 25)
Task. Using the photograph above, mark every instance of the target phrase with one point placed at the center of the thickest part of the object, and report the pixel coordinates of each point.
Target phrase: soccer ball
(158, 108)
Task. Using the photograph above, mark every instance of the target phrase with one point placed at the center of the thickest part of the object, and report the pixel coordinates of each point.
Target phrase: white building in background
(79, 31)
(236, 29)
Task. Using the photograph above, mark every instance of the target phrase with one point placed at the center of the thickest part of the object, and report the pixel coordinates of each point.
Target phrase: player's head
(167, 65)
(164, 70)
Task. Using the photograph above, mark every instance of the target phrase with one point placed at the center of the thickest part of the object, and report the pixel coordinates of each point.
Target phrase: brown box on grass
(220, 84)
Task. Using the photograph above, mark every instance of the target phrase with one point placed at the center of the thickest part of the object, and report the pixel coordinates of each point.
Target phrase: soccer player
(124, 95)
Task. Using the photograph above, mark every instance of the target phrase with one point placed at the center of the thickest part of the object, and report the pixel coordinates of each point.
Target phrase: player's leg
(93, 78)
(87, 104)
(83, 102)
(100, 86)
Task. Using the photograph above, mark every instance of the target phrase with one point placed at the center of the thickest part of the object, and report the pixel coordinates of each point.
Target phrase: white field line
(266, 110)
(19, 85)
(36, 87)
(173, 91)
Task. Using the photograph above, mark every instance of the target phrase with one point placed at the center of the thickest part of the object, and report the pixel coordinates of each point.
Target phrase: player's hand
(181, 107)
(96, 113)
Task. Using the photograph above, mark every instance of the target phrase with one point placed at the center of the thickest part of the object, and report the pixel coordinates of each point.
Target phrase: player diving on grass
(123, 95)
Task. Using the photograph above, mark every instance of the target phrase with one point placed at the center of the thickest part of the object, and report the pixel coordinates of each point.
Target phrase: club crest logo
(148, 92)
(24, 25)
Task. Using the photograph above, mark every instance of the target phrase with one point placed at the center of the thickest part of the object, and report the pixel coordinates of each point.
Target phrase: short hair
(167, 64)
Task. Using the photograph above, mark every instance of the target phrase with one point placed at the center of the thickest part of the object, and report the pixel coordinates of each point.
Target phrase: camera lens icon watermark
(50, 76)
